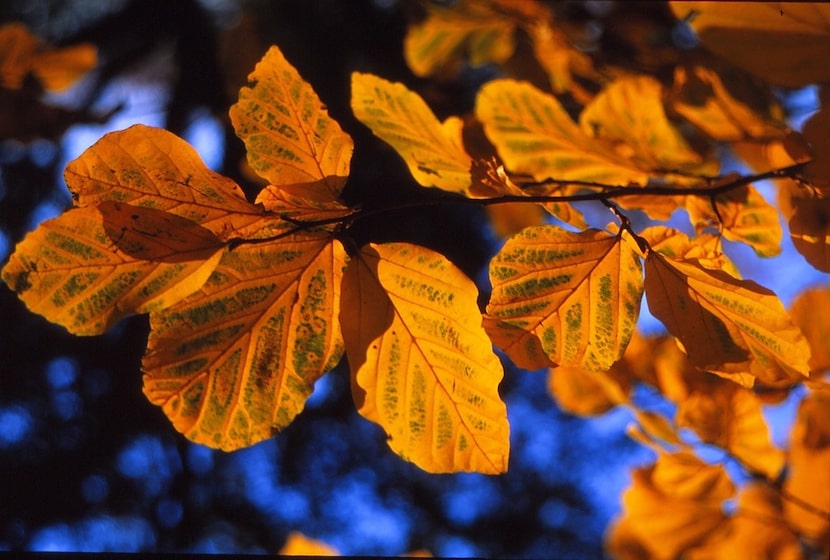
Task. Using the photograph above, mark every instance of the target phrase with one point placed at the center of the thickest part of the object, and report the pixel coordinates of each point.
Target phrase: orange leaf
(563, 298)
(745, 216)
(810, 230)
(726, 325)
(811, 313)
(292, 141)
(674, 504)
(92, 266)
(235, 362)
(422, 366)
(588, 393)
(298, 544)
(152, 168)
(55, 68)
(778, 41)
(432, 150)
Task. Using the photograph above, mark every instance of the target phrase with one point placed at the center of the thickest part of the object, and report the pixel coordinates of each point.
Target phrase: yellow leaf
(92, 266)
(628, 117)
(422, 366)
(55, 68)
(534, 135)
(152, 168)
(745, 215)
(559, 58)
(730, 417)
(298, 544)
(809, 470)
(757, 530)
(235, 362)
(778, 41)
(470, 27)
(674, 504)
(701, 97)
(588, 393)
(301, 211)
(564, 298)
(705, 248)
(432, 150)
(726, 325)
(292, 141)
(811, 313)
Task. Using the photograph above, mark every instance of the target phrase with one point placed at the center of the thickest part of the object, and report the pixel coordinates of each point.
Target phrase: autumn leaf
(469, 29)
(756, 530)
(589, 393)
(422, 366)
(433, 151)
(744, 215)
(564, 298)
(811, 313)
(55, 68)
(777, 41)
(726, 325)
(701, 97)
(705, 248)
(810, 230)
(561, 60)
(291, 140)
(91, 266)
(298, 544)
(152, 168)
(235, 362)
(672, 505)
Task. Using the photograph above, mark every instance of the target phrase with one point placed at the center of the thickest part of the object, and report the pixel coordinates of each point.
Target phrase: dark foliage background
(86, 463)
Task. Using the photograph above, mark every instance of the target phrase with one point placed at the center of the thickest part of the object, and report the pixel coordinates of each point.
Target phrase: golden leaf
(673, 505)
(589, 393)
(756, 530)
(778, 41)
(564, 298)
(701, 97)
(809, 470)
(235, 362)
(152, 168)
(559, 58)
(705, 248)
(745, 216)
(55, 68)
(470, 29)
(534, 135)
(298, 544)
(92, 266)
(726, 325)
(422, 366)
(292, 141)
(433, 151)
(811, 313)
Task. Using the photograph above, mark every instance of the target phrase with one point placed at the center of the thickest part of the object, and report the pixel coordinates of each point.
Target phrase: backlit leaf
(588, 393)
(561, 60)
(675, 504)
(55, 68)
(422, 366)
(152, 168)
(706, 248)
(745, 216)
(810, 230)
(298, 544)
(702, 98)
(235, 362)
(811, 313)
(726, 325)
(778, 41)
(470, 29)
(291, 139)
(564, 298)
(432, 150)
(534, 135)
(92, 266)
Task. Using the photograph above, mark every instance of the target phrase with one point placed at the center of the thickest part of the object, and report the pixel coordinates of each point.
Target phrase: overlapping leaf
(814, 325)
(422, 365)
(744, 215)
(432, 150)
(153, 168)
(291, 140)
(235, 362)
(726, 325)
(778, 41)
(563, 298)
(92, 266)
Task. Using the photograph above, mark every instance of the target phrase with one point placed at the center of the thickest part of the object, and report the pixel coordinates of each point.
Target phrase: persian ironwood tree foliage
(251, 302)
